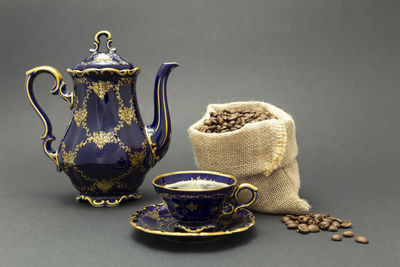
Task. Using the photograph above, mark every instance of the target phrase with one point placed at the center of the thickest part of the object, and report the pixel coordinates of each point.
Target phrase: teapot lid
(103, 60)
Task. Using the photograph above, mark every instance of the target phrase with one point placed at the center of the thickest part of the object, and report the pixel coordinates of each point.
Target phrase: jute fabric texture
(260, 153)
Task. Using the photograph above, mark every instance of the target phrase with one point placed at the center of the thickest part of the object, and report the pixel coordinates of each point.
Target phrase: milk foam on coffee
(196, 185)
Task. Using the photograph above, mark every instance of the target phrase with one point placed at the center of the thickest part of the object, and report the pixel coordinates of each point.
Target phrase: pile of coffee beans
(228, 121)
(314, 222)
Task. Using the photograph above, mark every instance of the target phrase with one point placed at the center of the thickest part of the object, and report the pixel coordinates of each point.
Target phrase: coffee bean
(346, 224)
(313, 228)
(314, 222)
(336, 237)
(348, 234)
(291, 226)
(285, 219)
(337, 219)
(303, 219)
(324, 225)
(332, 228)
(289, 222)
(361, 239)
(303, 228)
(232, 120)
(311, 222)
(318, 217)
(233, 117)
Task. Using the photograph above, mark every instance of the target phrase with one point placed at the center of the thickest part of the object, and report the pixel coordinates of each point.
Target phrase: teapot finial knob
(97, 41)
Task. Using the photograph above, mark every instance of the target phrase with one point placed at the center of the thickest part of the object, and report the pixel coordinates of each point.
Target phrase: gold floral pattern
(80, 80)
(137, 158)
(127, 114)
(101, 57)
(124, 80)
(153, 215)
(191, 206)
(68, 157)
(101, 138)
(80, 116)
(101, 88)
(104, 185)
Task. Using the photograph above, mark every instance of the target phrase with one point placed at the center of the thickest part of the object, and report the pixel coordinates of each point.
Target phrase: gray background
(334, 65)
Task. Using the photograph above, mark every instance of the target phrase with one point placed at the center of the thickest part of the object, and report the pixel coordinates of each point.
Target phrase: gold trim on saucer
(197, 230)
(181, 234)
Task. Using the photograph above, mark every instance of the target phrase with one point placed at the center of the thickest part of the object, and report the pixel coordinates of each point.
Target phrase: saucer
(155, 219)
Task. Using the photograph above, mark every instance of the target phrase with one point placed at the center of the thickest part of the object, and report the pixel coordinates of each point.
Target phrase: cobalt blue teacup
(196, 198)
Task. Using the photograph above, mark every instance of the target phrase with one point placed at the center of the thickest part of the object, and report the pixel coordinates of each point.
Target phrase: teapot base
(107, 201)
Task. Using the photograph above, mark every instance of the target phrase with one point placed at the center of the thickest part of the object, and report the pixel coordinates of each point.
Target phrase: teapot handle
(59, 88)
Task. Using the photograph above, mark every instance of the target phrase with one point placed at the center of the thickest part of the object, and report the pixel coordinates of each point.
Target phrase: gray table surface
(333, 65)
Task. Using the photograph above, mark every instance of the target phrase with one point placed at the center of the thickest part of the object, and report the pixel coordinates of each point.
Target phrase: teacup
(196, 198)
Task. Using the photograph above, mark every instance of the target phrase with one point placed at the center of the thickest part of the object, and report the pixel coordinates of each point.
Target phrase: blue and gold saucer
(155, 219)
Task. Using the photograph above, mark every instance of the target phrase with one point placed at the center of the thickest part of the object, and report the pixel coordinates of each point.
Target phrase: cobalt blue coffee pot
(107, 149)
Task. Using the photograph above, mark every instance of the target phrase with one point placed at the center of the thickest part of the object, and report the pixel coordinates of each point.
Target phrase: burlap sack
(260, 153)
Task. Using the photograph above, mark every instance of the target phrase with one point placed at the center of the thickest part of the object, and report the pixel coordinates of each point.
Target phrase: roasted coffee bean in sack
(256, 143)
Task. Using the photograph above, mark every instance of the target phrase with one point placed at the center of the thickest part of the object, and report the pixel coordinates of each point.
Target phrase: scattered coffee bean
(285, 218)
(336, 224)
(348, 234)
(346, 224)
(332, 228)
(361, 239)
(289, 222)
(337, 219)
(292, 226)
(314, 222)
(318, 217)
(311, 222)
(227, 120)
(324, 225)
(303, 228)
(336, 237)
(303, 219)
(313, 228)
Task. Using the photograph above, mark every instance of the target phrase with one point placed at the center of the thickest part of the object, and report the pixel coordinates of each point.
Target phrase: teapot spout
(159, 132)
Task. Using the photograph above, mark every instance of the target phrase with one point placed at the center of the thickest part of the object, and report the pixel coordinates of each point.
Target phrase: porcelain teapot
(107, 149)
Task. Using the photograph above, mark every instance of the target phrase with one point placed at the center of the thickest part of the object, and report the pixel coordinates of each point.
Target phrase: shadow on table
(194, 245)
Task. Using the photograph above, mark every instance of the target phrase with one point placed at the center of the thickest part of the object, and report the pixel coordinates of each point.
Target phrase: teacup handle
(254, 191)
